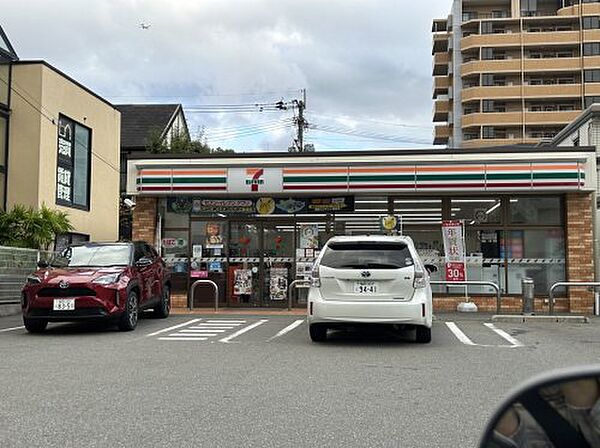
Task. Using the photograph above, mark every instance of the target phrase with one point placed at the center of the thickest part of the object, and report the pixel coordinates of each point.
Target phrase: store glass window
(477, 211)
(538, 254)
(545, 211)
(485, 261)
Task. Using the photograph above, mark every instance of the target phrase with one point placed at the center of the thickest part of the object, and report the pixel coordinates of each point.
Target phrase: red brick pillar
(580, 250)
(144, 220)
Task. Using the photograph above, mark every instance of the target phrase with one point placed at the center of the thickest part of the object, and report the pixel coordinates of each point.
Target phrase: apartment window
(591, 23)
(528, 7)
(589, 100)
(592, 76)
(564, 54)
(591, 49)
(566, 80)
(566, 107)
(535, 55)
(73, 164)
(489, 132)
(493, 106)
(487, 53)
(487, 80)
(469, 15)
(487, 27)
(499, 14)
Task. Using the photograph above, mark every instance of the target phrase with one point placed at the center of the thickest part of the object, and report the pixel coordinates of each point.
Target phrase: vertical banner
(452, 232)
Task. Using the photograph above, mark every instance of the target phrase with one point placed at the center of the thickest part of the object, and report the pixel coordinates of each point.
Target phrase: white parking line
(287, 329)
(180, 338)
(164, 330)
(459, 334)
(226, 321)
(206, 324)
(243, 330)
(195, 333)
(208, 330)
(11, 329)
(505, 335)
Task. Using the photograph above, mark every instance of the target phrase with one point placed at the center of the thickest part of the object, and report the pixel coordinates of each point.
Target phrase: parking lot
(235, 380)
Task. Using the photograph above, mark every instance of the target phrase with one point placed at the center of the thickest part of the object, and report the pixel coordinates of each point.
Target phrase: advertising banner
(278, 283)
(452, 232)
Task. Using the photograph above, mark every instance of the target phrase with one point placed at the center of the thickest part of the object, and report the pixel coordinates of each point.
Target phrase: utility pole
(300, 121)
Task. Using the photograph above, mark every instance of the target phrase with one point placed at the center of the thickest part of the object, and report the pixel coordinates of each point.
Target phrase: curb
(553, 319)
(239, 312)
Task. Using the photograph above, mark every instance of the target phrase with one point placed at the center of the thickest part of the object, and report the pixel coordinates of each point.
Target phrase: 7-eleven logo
(254, 178)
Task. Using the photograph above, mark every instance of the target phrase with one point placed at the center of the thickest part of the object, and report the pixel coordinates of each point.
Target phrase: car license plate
(365, 287)
(63, 304)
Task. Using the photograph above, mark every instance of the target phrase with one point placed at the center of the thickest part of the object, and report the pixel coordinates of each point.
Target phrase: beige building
(63, 150)
(513, 71)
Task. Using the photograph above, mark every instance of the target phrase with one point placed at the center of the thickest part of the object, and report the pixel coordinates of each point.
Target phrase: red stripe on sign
(457, 185)
(220, 188)
(154, 188)
(379, 186)
(557, 184)
(315, 187)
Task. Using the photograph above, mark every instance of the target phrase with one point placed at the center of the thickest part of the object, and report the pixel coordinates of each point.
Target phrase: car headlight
(107, 279)
(33, 280)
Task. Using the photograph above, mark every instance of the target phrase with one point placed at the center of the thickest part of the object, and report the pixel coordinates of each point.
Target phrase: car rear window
(367, 255)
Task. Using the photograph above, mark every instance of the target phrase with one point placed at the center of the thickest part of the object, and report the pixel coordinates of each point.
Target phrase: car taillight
(420, 280)
(315, 278)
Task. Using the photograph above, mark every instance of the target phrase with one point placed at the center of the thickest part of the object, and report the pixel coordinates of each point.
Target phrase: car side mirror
(143, 262)
(431, 268)
(560, 409)
(43, 264)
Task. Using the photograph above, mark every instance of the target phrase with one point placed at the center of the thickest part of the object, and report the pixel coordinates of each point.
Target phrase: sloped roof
(139, 120)
(7, 52)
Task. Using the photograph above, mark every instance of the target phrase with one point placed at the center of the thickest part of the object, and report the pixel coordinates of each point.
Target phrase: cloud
(359, 59)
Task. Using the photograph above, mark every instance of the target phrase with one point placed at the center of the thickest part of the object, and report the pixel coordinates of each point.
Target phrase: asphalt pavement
(235, 380)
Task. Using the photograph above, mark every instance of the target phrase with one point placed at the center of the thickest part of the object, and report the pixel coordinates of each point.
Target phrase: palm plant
(31, 228)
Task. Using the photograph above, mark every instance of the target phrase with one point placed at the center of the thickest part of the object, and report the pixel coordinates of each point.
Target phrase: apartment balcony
(553, 91)
(490, 142)
(551, 38)
(592, 89)
(441, 135)
(440, 63)
(551, 118)
(591, 35)
(491, 66)
(441, 84)
(552, 64)
(493, 119)
(441, 109)
(491, 92)
(591, 62)
(440, 42)
(589, 9)
(490, 40)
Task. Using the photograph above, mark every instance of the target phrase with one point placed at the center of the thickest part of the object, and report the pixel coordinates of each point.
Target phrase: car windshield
(367, 255)
(94, 256)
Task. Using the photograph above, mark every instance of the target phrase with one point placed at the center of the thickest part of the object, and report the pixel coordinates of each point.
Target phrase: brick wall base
(144, 220)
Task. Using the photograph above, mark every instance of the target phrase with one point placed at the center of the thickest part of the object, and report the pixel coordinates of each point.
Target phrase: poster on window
(278, 283)
(242, 282)
(309, 236)
(452, 232)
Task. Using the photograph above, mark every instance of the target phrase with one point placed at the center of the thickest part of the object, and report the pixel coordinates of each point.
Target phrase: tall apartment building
(513, 71)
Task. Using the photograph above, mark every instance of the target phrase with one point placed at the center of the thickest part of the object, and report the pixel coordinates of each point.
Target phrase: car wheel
(423, 335)
(318, 332)
(35, 325)
(163, 309)
(129, 318)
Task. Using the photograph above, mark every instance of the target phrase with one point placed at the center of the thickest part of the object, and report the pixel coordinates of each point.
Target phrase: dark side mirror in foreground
(560, 409)
(431, 268)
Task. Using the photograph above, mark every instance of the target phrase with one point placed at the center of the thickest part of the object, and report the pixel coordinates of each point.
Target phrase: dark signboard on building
(261, 206)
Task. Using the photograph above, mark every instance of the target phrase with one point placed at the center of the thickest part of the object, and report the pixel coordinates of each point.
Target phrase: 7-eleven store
(254, 222)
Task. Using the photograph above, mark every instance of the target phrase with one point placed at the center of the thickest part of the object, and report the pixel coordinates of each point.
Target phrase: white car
(370, 280)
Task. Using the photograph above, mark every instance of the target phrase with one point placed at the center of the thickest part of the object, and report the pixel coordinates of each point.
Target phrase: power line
(211, 95)
(360, 120)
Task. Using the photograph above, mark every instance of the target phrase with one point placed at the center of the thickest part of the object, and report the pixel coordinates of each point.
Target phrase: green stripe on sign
(199, 180)
(509, 176)
(555, 175)
(313, 179)
(450, 177)
(386, 177)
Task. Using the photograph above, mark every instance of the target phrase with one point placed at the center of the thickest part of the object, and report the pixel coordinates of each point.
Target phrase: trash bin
(527, 286)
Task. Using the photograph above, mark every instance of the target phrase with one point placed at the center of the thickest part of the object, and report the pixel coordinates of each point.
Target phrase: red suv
(97, 281)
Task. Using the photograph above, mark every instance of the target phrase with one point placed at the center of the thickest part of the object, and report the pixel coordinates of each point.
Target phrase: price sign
(455, 251)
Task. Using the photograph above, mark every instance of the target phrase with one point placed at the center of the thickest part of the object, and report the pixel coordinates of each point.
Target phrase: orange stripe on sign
(449, 169)
(314, 170)
(155, 172)
(546, 167)
(404, 169)
(508, 167)
(194, 172)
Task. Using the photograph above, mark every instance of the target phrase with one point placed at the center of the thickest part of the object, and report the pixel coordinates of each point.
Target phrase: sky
(365, 64)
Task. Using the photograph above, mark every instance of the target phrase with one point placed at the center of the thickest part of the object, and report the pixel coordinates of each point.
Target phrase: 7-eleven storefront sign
(454, 247)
